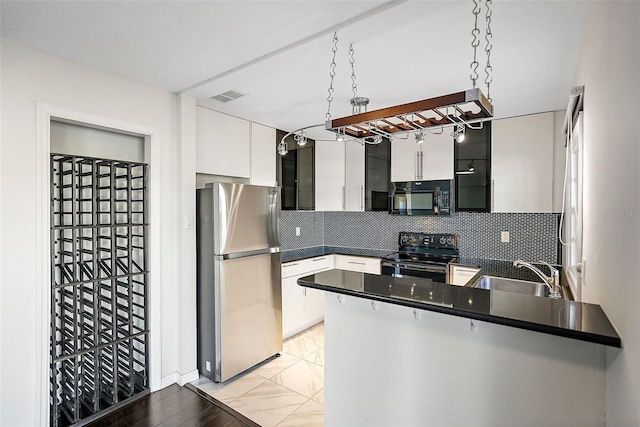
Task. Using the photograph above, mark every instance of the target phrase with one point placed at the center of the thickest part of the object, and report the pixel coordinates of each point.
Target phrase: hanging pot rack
(467, 107)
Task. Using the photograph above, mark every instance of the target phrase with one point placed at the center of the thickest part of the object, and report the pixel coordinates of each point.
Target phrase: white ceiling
(278, 52)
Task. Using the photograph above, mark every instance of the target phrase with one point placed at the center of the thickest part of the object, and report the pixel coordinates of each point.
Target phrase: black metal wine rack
(99, 276)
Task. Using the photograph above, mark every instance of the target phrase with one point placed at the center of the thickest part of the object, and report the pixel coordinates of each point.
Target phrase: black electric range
(422, 255)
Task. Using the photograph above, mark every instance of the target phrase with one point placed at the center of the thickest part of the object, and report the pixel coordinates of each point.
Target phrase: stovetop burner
(426, 248)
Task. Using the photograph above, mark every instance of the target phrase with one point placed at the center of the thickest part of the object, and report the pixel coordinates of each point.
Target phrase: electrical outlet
(504, 236)
(297, 231)
(188, 221)
(208, 365)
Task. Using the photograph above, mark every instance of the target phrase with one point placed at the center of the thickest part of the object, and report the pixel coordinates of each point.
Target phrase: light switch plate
(188, 221)
(504, 236)
(297, 231)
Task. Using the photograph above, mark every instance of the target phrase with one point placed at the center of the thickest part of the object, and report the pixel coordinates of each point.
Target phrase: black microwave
(421, 198)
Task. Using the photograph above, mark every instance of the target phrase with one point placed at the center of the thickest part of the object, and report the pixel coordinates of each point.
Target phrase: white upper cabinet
(263, 155)
(354, 176)
(405, 158)
(222, 144)
(329, 171)
(522, 150)
(433, 159)
(437, 157)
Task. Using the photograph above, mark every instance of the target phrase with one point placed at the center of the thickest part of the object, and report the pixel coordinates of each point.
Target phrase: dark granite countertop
(565, 318)
(298, 254)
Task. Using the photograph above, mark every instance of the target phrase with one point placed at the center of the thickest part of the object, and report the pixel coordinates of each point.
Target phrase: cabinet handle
(319, 259)
(344, 198)
(417, 164)
(290, 265)
(362, 197)
(421, 164)
(304, 291)
(357, 263)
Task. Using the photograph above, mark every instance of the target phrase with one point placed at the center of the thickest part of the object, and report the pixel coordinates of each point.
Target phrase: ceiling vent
(229, 95)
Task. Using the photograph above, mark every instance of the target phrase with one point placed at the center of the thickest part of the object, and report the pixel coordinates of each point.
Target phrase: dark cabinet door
(377, 179)
(296, 175)
(473, 171)
(288, 179)
(306, 178)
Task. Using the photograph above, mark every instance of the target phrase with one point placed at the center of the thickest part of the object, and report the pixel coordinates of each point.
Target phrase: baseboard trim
(181, 380)
(189, 377)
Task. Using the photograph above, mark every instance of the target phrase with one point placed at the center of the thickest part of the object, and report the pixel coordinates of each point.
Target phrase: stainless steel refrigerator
(239, 291)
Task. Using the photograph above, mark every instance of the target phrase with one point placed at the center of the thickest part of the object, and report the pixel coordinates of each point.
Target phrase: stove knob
(450, 241)
(443, 240)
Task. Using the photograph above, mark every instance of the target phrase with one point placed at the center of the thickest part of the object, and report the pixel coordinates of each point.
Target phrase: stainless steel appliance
(239, 291)
(422, 255)
(421, 198)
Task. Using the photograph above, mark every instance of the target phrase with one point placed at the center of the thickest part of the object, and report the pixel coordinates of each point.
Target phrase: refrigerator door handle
(245, 254)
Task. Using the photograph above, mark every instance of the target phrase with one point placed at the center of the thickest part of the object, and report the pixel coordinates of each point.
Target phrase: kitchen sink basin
(512, 285)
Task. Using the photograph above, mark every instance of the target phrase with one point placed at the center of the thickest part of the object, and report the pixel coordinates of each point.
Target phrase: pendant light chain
(475, 43)
(488, 69)
(352, 60)
(332, 74)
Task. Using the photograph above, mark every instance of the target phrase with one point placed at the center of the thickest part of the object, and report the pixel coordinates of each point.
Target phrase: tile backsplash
(532, 236)
(311, 225)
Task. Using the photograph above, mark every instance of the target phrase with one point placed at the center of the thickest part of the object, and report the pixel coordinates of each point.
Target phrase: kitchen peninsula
(429, 353)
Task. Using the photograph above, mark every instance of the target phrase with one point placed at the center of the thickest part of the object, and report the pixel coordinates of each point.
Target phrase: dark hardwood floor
(173, 406)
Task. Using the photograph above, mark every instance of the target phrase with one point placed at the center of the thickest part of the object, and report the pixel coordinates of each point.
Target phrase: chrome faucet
(552, 282)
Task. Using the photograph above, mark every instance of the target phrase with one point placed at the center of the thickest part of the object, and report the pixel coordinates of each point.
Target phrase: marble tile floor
(286, 391)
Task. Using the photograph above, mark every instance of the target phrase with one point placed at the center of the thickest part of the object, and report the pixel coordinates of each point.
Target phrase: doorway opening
(99, 221)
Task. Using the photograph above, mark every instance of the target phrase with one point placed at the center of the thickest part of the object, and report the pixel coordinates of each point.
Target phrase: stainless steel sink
(512, 285)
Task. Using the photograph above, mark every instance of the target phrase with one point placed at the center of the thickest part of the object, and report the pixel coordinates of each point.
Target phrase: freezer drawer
(240, 319)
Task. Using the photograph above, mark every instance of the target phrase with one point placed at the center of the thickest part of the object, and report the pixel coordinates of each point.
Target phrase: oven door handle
(417, 267)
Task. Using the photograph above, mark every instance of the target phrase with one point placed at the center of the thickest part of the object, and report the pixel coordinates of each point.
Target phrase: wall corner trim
(177, 378)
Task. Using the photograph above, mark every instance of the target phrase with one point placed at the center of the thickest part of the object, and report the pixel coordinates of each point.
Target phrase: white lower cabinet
(302, 307)
(293, 302)
(357, 263)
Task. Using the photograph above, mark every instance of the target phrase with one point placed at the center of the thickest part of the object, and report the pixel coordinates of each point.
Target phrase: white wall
(384, 367)
(609, 69)
(30, 76)
(187, 233)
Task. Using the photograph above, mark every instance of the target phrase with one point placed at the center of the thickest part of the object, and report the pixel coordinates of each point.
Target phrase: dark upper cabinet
(472, 162)
(377, 186)
(296, 175)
